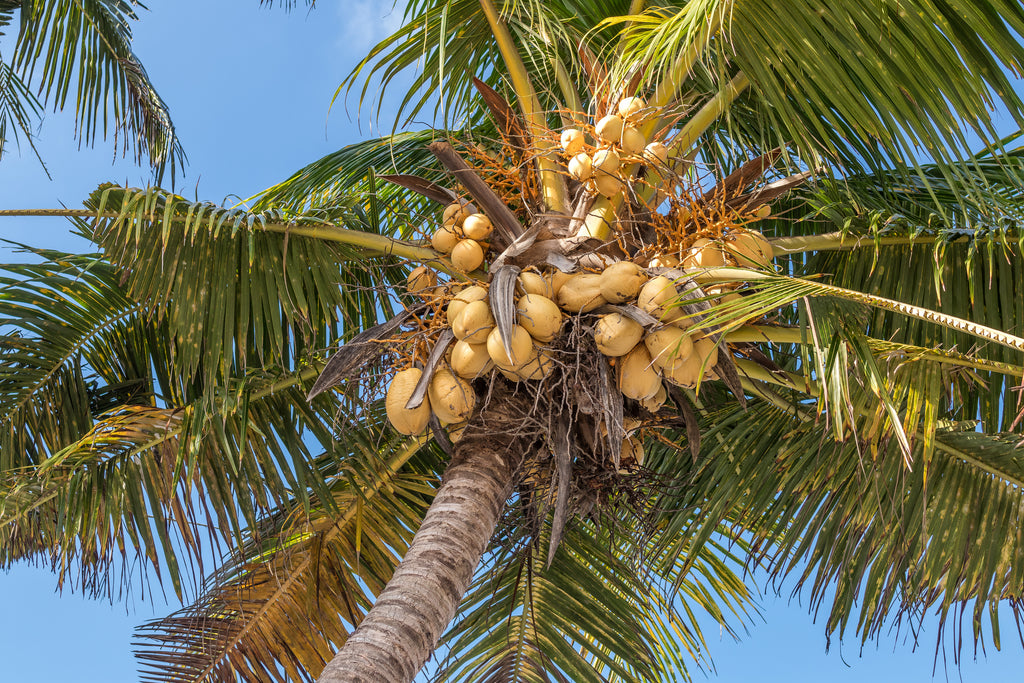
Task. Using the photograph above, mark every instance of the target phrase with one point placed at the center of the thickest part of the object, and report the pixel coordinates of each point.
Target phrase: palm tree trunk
(400, 632)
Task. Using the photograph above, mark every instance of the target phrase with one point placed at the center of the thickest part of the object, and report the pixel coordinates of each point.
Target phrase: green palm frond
(19, 110)
(592, 615)
(892, 542)
(303, 580)
(82, 49)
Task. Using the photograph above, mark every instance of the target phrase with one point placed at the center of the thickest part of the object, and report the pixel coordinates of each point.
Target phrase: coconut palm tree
(856, 429)
(82, 50)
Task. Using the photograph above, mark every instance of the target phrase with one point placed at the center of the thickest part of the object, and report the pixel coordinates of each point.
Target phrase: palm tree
(82, 50)
(857, 429)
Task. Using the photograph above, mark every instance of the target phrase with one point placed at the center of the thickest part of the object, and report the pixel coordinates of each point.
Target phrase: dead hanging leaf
(611, 409)
(361, 350)
(501, 295)
(436, 354)
(508, 122)
(682, 401)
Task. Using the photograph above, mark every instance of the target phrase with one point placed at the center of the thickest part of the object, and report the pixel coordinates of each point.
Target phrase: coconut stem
(551, 182)
(835, 241)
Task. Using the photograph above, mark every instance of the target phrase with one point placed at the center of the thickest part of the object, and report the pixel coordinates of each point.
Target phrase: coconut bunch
(463, 236)
(597, 155)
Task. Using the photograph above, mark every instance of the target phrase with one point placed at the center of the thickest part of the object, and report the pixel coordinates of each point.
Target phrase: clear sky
(249, 90)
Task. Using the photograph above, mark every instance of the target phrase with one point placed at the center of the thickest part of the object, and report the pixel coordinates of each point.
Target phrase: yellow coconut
(629, 107)
(633, 140)
(656, 153)
(421, 282)
(655, 296)
(463, 297)
(615, 334)
(540, 316)
(557, 279)
(467, 255)
(632, 454)
(445, 239)
(606, 162)
(580, 293)
(534, 283)
(581, 167)
(455, 213)
(621, 281)
(750, 248)
(572, 141)
(521, 344)
(704, 253)
(608, 185)
(667, 345)
(405, 420)
(539, 367)
(455, 432)
(609, 128)
(637, 377)
(654, 403)
(763, 211)
(470, 360)
(451, 398)
(477, 227)
(664, 261)
(684, 372)
(474, 323)
(707, 351)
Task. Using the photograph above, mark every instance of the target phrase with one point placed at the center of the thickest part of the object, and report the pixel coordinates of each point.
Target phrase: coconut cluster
(463, 236)
(617, 141)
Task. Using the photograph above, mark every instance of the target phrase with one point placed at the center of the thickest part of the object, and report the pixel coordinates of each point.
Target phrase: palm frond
(83, 48)
(304, 580)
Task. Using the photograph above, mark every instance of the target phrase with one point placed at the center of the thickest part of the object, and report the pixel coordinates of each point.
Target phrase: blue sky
(249, 90)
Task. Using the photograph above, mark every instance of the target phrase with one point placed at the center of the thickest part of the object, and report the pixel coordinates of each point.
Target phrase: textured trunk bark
(400, 632)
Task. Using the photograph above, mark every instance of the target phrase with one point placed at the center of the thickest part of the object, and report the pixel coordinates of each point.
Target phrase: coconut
(609, 128)
(633, 141)
(470, 360)
(451, 398)
(539, 367)
(467, 255)
(664, 261)
(667, 345)
(421, 282)
(477, 227)
(615, 334)
(572, 141)
(580, 293)
(684, 372)
(540, 316)
(557, 279)
(637, 377)
(455, 432)
(474, 323)
(656, 153)
(750, 248)
(621, 281)
(654, 403)
(532, 282)
(706, 350)
(608, 185)
(406, 420)
(763, 211)
(632, 452)
(471, 293)
(606, 162)
(455, 213)
(704, 253)
(521, 344)
(581, 167)
(630, 106)
(655, 295)
(445, 239)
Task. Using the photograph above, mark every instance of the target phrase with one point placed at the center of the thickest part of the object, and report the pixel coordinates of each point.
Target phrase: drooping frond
(81, 49)
(305, 580)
